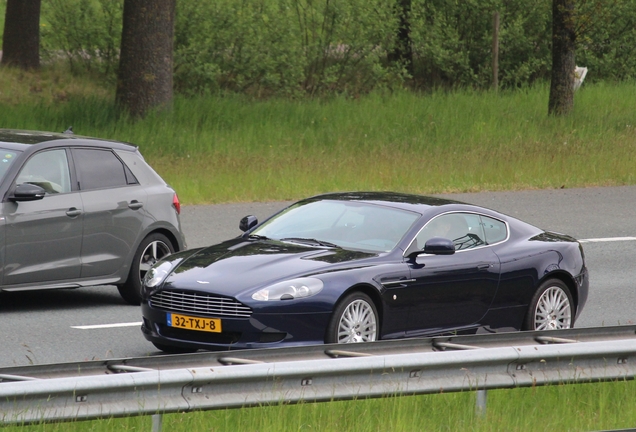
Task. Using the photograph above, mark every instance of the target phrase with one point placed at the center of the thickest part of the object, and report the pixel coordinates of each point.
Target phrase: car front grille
(199, 304)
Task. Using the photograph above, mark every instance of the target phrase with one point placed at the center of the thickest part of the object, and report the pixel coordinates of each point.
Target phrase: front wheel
(151, 249)
(355, 319)
(551, 307)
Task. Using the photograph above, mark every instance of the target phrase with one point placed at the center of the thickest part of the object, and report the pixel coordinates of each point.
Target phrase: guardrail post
(157, 421)
(480, 408)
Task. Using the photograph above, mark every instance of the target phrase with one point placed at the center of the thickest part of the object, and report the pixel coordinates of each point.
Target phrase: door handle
(135, 205)
(482, 267)
(72, 212)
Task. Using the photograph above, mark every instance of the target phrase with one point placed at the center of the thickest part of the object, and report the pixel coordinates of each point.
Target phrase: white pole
(157, 420)
(480, 408)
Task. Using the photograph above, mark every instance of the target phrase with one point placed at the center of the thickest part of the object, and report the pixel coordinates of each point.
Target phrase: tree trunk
(563, 58)
(403, 52)
(145, 65)
(21, 40)
(495, 51)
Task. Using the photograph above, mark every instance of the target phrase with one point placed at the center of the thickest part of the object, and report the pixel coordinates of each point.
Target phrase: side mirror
(439, 246)
(27, 192)
(247, 223)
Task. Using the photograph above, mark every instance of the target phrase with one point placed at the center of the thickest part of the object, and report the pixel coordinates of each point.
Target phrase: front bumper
(257, 331)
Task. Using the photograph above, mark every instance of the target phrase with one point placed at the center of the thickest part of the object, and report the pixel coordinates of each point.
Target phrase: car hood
(236, 266)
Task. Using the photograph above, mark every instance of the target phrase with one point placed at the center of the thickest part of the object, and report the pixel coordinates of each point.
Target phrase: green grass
(582, 407)
(225, 149)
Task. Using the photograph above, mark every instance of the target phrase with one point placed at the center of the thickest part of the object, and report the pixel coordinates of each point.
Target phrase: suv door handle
(72, 212)
(135, 205)
(481, 267)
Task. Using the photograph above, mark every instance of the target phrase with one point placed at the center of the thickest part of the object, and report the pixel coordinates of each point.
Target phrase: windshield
(344, 224)
(8, 156)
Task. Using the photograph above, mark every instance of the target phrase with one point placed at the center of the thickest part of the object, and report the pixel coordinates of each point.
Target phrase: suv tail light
(176, 204)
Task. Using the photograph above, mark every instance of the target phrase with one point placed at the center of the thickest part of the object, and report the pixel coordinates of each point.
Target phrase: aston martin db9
(362, 266)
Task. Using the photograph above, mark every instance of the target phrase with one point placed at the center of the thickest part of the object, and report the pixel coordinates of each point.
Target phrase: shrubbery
(314, 47)
(87, 33)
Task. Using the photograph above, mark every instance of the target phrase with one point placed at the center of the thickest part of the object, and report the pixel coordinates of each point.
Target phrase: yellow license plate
(194, 323)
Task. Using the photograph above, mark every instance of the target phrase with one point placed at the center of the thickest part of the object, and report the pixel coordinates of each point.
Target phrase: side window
(494, 229)
(475, 235)
(464, 229)
(47, 169)
(97, 169)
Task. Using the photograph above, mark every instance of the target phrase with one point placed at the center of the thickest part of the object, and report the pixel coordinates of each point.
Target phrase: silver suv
(80, 211)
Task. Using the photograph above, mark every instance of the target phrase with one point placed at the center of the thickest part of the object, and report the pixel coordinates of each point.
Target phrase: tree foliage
(86, 32)
(606, 31)
(454, 42)
(282, 46)
(300, 47)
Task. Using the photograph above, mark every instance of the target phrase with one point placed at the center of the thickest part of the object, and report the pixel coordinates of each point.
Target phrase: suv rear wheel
(151, 249)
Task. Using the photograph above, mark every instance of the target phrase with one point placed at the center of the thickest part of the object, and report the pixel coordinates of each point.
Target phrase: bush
(295, 48)
(85, 32)
(286, 47)
(606, 41)
(453, 42)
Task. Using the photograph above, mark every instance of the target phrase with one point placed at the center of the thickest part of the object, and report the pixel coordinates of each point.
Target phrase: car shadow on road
(60, 299)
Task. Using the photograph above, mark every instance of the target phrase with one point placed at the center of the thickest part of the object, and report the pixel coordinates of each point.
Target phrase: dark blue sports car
(362, 266)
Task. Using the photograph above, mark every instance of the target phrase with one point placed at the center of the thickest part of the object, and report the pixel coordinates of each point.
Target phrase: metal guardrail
(207, 381)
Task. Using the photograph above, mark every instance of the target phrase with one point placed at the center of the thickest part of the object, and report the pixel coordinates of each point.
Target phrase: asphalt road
(94, 323)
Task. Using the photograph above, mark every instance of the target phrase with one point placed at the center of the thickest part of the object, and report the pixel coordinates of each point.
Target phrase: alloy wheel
(358, 323)
(155, 251)
(553, 310)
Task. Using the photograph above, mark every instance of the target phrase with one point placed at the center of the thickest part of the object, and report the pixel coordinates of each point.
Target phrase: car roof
(411, 202)
(21, 140)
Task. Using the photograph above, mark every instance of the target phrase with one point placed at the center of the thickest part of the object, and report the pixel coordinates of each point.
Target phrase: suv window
(98, 169)
(47, 169)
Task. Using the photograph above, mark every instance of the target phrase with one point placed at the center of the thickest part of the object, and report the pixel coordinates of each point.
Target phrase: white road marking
(607, 239)
(102, 326)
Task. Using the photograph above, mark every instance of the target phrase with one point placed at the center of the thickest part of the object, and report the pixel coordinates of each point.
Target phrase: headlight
(157, 274)
(289, 290)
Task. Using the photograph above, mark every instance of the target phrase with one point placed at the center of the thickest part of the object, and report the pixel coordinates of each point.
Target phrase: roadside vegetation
(280, 99)
(216, 149)
(581, 407)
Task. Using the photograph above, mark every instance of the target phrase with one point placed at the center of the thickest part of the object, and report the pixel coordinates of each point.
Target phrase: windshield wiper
(257, 237)
(311, 241)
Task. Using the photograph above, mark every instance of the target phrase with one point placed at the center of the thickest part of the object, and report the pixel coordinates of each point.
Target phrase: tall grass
(582, 407)
(221, 149)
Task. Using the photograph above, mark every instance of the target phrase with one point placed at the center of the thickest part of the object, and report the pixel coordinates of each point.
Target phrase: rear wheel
(355, 319)
(151, 249)
(551, 307)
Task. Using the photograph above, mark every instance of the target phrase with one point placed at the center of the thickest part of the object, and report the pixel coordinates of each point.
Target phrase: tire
(151, 249)
(168, 349)
(551, 307)
(355, 319)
